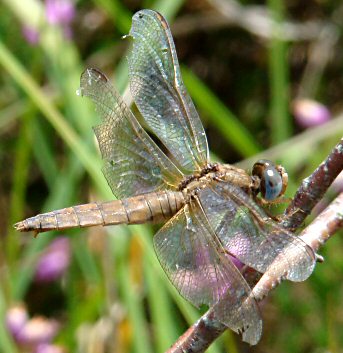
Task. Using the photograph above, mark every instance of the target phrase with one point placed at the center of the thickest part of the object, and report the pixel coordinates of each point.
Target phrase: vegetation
(246, 71)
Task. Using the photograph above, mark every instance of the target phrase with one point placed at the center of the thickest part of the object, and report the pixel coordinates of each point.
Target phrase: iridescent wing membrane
(133, 163)
(187, 248)
(197, 264)
(250, 235)
(192, 246)
(160, 94)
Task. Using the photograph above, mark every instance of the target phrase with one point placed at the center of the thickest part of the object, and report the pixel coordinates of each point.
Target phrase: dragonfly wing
(254, 238)
(160, 94)
(197, 265)
(134, 164)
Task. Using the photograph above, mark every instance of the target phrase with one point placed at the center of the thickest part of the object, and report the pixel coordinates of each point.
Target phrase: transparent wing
(133, 163)
(254, 238)
(160, 94)
(197, 265)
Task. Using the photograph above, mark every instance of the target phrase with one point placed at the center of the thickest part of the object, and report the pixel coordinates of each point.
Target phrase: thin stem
(278, 77)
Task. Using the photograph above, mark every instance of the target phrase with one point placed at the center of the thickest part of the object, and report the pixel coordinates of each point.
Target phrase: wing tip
(92, 73)
(252, 334)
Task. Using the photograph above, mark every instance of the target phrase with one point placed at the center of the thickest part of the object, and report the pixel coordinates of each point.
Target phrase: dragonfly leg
(319, 258)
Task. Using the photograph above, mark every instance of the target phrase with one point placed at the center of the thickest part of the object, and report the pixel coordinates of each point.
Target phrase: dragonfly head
(273, 179)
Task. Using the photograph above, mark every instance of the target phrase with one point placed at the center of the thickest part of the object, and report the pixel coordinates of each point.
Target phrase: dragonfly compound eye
(273, 179)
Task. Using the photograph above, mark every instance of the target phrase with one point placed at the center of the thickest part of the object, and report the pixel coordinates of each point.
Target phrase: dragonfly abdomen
(153, 207)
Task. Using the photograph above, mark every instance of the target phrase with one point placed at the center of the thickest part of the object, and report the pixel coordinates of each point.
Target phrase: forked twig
(201, 334)
(313, 188)
(315, 235)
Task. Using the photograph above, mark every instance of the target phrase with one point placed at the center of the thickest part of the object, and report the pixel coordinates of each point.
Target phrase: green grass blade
(6, 343)
(11, 113)
(280, 128)
(62, 194)
(162, 316)
(168, 8)
(131, 296)
(119, 14)
(91, 163)
(20, 175)
(43, 153)
(86, 261)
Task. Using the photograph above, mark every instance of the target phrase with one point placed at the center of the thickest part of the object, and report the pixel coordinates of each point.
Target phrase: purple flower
(59, 11)
(30, 333)
(49, 348)
(30, 34)
(38, 330)
(54, 260)
(16, 318)
(309, 113)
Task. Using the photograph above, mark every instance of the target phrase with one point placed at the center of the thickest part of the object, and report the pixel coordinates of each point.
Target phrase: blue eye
(273, 179)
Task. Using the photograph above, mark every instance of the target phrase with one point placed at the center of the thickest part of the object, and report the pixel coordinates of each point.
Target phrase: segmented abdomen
(154, 207)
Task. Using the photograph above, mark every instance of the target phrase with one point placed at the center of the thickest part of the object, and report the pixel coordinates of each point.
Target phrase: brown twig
(315, 235)
(325, 225)
(319, 54)
(256, 19)
(313, 188)
(259, 21)
(201, 334)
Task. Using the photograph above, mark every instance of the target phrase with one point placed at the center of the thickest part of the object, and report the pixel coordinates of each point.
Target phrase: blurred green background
(247, 65)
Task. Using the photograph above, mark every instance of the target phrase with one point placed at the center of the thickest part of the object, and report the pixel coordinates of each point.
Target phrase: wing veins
(292, 240)
(118, 123)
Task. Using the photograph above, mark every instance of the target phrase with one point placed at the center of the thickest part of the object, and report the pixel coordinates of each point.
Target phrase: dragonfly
(211, 211)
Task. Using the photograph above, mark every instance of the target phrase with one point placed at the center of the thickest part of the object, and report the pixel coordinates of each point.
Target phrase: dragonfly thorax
(218, 173)
(204, 173)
